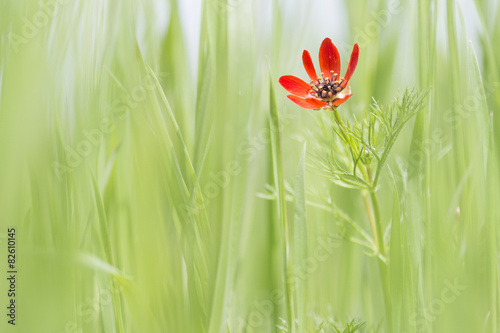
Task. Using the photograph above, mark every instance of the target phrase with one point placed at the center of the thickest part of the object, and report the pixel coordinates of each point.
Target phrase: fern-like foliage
(327, 327)
(349, 150)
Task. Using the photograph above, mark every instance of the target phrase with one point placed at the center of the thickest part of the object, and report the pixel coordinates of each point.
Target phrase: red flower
(328, 90)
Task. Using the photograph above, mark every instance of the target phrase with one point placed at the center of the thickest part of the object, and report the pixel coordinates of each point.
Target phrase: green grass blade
(299, 250)
(277, 155)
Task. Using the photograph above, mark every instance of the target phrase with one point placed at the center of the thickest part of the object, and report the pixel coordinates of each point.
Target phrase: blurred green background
(139, 166)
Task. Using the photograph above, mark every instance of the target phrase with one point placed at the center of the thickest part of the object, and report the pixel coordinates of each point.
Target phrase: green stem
(347, 137)
(378, 227)
(373, 211)
(372, 207)
(341, 126)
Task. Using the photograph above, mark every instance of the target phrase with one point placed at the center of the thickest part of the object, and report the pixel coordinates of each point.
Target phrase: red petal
(309, 66)
(352, 65)
(329, 58)
(295, 85)
(341, 100)
(307, 103)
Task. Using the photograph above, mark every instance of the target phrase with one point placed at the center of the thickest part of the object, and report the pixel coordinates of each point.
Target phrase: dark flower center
(326, 88)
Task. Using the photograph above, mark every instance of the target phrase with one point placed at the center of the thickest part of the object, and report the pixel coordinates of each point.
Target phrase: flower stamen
(326, 89)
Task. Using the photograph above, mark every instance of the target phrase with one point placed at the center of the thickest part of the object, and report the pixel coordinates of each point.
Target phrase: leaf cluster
(329, 326)
(359, 146)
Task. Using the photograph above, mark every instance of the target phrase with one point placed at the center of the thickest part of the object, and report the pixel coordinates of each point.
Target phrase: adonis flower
(327, 91)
